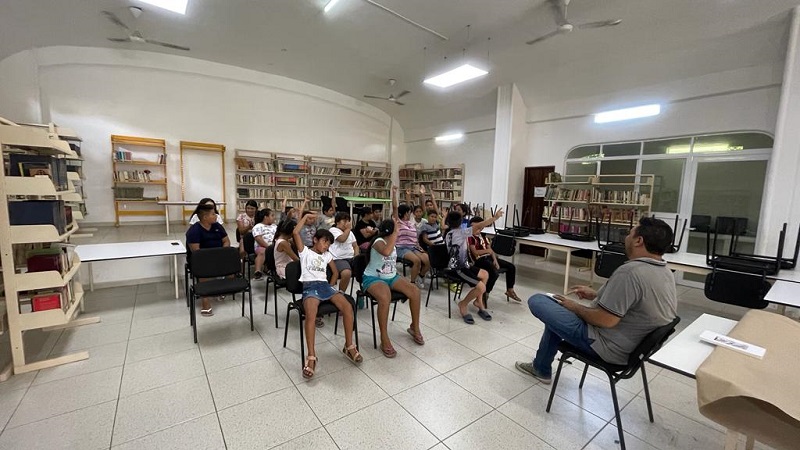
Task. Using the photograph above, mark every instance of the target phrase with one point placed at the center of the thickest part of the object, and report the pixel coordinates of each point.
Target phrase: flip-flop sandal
(418, 339)
(389, 351)
(319, 323)
(308, 371)
(352, 354)
(207, 312)
(468, 319)
(484, 314)
(515, 297)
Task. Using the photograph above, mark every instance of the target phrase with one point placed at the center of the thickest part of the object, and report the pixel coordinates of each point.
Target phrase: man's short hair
(655, 233)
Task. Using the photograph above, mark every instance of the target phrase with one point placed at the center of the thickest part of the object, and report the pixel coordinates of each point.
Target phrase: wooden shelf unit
(15, 240)
(584, 198)
(446, 182)
(134, 159)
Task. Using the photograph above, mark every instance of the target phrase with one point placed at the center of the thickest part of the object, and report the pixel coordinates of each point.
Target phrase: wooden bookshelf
(141, 163)
(445, 182)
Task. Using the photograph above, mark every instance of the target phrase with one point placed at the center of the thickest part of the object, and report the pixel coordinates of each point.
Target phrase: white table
(167, 204)
(353, 200)
(128, 250)
(685, 352)
(783, 294)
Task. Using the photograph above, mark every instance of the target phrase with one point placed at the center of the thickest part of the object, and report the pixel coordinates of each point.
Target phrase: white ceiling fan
(391, 98)
(134, 35)
(559, 8)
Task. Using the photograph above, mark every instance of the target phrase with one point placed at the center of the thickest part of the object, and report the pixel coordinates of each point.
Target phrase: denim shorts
(403, 249)
(369, 280)
(320, 290)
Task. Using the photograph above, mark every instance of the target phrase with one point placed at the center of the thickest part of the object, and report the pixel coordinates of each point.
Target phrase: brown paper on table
(756, 397)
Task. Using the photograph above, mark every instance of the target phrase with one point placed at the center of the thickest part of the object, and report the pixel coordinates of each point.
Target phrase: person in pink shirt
(407, 244)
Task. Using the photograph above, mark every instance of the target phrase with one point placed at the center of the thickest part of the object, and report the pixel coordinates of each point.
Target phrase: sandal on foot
(388, 351)
(352, 354)
(207, 312)
(319, 323)
(514, 296)
(418, 339)
(468, 319)
(308, 371)
(484, 314)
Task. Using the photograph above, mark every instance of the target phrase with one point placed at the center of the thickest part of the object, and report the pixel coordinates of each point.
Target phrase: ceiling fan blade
(399, 103)
(402, 94)
(559, 11)
(600, 24)
(113, 18)
(373, 96)
(119, 39)
(167, 44)
(546, 36)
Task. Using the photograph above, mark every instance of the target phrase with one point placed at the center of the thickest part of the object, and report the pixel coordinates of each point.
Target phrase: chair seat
(565, 347)
(278, 281)
(220, 287)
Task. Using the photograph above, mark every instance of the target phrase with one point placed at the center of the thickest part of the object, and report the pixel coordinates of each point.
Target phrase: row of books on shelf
(324, 170)
(566, 213)
(446, 185)
(292, 167)
(254, 179)
(121, 155)
(322, 182)
(556, 193)
(136, 176)
(622, 197)
(23, 165)
(269, 203)
(40, 212)
(449, 173)
(617, 215)
(46, 299)
(43, 257)
(375, 174)
(349, 172)
(249, 164)
(254, 193)
(290, 181)
(290, 193)
(451, 195)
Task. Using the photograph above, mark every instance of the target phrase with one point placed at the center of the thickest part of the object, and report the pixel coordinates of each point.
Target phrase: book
(736, 345)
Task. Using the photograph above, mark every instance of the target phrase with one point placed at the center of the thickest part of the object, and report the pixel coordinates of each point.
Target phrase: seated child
(344, 248)
(482, 255)
(431, 232)
(264, 233)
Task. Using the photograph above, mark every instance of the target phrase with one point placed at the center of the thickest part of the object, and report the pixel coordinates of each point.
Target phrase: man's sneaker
(527, 368)
(420, 284)
(258, 275)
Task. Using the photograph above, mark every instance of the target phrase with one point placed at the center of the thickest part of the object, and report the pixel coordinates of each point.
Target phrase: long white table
(685, 352)
(92, 253)
(167, 204)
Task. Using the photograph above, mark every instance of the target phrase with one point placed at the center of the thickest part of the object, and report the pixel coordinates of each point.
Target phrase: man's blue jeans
(560, 324)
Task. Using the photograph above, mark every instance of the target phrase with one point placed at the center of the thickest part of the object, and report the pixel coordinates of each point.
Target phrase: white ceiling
(357, 47)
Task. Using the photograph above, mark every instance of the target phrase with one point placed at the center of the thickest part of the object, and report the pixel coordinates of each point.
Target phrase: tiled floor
(146, 385)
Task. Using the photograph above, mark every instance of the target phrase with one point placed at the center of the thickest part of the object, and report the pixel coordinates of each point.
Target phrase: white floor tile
(87, 428)
(318, 439)
(156, 372)
(161, 324)
(495, 431)
(8, 404)
(339, 394)
(490, 382)
(222, 352)
(443, 353)
(100, 358)
(669, 430)
(202, 433)
(479, 339)
(239, 384)
(384, 425)
(330, 359)
(62, 396)
(159, 345)
(608, 439)
(155, 410)
(678, 397)
(261, 423)
(595, 396)
(442, 406)
(17, 382)
(87, 336)
(399, 373)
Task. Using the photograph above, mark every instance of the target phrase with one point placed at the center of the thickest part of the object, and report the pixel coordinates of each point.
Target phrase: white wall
(19, 92)
(475, 151)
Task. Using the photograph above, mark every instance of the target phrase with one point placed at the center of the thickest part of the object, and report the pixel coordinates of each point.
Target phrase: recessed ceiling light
(455, 76)
(178, 6)
(330, 5)
(627, 113)
(449, 137)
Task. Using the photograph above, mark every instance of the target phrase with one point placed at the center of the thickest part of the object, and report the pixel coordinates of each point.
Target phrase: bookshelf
(139, 171)
(445, 182)
(581, 199)
(36, 222)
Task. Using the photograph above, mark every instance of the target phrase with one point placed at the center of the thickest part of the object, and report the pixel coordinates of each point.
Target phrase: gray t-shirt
(456, 241)
(642, 293)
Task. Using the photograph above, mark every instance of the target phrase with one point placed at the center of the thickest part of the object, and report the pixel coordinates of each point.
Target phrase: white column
(782, 194)
(510, 147)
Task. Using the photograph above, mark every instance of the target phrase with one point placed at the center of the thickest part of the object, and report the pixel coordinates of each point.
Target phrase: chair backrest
(439, 256)
(504, 245)
(269, 258)
(215, 262)
(736, 288)
(607, 263)
(341, 205)
(249, 243)
(649, 345)
(293, 283)
(359, 266)
(422, 244)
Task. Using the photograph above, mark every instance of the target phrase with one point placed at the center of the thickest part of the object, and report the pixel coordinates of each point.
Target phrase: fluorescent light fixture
(627, 113)
(455, 76)
(178, 6)
(449, 137)
(330, 5)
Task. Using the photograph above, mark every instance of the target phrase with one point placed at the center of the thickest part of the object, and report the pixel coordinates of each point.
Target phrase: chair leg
(193, 317)
(250, 297)
(583, 377)
(430, 287)
(355, 324)
(234, 297)
(266, 297)
(647, 394)
(617, 415)
(302, 343)
(394, 311)
(555, 384)
(336, 324)
(372, 309)
(286, 326)
(275, 302)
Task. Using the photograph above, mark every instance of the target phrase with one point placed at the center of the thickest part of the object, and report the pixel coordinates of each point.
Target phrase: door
(533, 205)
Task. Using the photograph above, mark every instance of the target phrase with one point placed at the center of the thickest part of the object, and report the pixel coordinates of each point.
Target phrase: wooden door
(533, 206)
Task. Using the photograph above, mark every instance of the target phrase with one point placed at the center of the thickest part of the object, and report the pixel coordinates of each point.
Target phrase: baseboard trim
(131, 282)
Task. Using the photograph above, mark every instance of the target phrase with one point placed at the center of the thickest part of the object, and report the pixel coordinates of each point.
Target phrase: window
(627, 149)
(581, 168)
(666, 184)
(587, 151)
(730, 142)
(665, 146)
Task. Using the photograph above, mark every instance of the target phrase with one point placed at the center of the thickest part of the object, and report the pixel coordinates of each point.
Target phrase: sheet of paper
(539, 192)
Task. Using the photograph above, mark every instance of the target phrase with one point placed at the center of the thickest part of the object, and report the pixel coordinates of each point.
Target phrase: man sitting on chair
(638, 298)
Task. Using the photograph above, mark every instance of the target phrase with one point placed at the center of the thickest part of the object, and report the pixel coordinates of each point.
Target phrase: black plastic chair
(359, 265)
(504, 246)
(187, 274)
(440, 260)
(217, 264)
(735, 288)
(649, 345)
(272, 277)
(295, 287)
(249, 244)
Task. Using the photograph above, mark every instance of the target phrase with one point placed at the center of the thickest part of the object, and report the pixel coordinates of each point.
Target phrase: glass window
(627, 149)
(581, 168)
(731, 142)
(587, 151)
(667, 146)
(668, 174)
(618, 167)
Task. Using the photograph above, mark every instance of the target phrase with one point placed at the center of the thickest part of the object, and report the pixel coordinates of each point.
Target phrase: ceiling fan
(391, 98)
(134, 35)
(559, 8)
